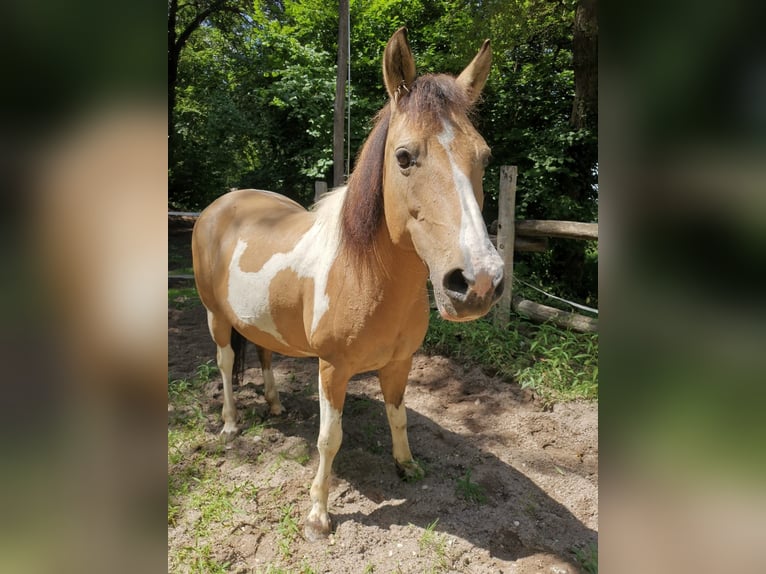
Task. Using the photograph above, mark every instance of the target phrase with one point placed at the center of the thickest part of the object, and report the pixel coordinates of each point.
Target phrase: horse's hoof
(317, 529)
(276, 410)
(229, 431)
(409, 471)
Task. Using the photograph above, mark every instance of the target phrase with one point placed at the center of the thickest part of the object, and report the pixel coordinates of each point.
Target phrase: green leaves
(558, 365)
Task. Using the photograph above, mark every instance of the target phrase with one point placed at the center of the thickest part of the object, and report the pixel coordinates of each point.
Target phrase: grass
(587, 557)
(181, 391)
(469, 490)
(288, 530)
(199, 560)
(430, 541)
(557, 364)
(182, 297)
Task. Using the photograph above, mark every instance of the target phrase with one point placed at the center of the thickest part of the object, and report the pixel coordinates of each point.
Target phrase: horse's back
(265, 220)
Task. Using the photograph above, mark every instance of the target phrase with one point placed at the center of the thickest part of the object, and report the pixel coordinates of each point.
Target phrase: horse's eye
(403, 158)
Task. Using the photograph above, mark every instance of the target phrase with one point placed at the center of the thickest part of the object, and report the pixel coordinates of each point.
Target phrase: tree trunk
(568, 257)
(340, 95)
(585, 63)
(173, 52)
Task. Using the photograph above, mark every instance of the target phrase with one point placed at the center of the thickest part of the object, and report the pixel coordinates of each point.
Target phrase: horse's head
(432, 179)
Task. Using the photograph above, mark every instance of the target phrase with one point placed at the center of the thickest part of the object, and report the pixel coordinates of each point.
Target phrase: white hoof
(229, 431)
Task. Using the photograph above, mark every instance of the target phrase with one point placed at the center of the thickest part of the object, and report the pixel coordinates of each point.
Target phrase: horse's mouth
(459, 307)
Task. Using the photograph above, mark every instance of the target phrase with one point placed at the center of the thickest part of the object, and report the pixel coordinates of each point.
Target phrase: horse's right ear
(398, 65)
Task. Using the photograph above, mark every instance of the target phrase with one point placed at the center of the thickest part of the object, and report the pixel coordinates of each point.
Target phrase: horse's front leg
(332, 394)
(393, 381)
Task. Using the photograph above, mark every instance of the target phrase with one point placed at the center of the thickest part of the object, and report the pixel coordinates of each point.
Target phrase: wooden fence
(532, 235)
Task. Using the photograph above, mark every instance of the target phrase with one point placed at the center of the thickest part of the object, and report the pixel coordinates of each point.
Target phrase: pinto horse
(346, 280)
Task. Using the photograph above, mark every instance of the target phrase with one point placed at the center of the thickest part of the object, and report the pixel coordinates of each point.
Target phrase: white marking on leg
(479, 253)
(225, 358)
(312, 257)
(271, 393)
(397, 420)
(328, 444)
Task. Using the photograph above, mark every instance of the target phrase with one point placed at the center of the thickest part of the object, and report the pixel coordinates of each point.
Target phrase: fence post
(320, 188)
(506, 235)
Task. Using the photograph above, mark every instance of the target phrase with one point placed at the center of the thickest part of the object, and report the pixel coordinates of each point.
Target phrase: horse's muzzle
(470, 294)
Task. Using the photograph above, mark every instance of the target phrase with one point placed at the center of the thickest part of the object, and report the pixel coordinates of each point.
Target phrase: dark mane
(430, 98)
(362, 211)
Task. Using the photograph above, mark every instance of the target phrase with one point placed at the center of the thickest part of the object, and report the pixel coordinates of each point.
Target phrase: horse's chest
(387, 330)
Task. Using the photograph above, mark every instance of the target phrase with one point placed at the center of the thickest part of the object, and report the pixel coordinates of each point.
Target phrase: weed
(255, 430)
(431, 541)
(199, 560)
(214, 502)
(288, 529)
(297, 452)
(532, 509)
(304, 568)
(184, 391)
(559, 365)
(470, 491)
(588, 558)
(182, 297)
(359, 406)
(206, 371)
(369, 568)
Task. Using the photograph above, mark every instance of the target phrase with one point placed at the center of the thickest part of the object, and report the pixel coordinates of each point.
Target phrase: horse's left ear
(475, 74)
(398, 65)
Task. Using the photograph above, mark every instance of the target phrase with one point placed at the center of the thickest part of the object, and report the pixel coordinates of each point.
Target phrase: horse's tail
(239, 345)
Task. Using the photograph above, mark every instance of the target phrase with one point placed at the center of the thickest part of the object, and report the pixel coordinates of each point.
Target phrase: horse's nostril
(455, 281)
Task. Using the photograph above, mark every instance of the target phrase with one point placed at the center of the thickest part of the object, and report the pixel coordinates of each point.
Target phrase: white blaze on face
(311, 258)
(478, 251)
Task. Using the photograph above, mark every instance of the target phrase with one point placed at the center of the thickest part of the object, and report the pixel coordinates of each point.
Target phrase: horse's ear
(398, 65)
(475, 74)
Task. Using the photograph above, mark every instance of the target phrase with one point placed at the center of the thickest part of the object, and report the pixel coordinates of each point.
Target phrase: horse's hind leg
(393, 381)
(221, 333)
(269, 384)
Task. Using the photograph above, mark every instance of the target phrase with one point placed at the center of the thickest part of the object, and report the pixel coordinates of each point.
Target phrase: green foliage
(558, 365)
(588, 558)
(182, 297)
(469, 490)
(255, 99)
(200, 560)
(565, 365)
(288, 529)
(435, 543)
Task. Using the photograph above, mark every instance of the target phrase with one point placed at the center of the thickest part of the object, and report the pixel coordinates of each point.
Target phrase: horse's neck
(399, 269)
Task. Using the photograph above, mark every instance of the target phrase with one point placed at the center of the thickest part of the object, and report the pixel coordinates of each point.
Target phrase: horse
(346, 281)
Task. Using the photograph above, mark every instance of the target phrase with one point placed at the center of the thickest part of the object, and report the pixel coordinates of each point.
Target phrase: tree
(338, 134)
(253, 100)
(180, 28)
(585, 64)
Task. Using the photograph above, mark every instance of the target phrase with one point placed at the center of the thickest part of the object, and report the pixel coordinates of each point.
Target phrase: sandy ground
(537, 470)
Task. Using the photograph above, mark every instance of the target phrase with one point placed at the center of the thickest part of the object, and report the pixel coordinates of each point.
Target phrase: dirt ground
(537, 471)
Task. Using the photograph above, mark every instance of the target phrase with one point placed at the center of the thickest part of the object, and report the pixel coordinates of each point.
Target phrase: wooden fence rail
(534, 234)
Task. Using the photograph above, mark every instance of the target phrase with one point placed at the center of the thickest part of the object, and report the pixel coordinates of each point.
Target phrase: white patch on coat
(479, 253)
(311, 258)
